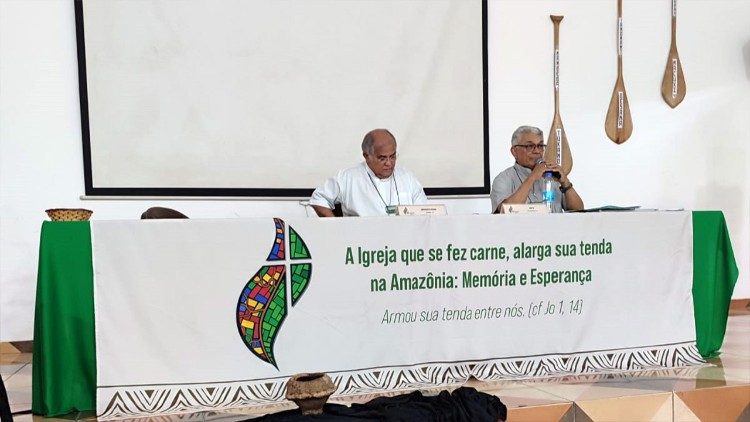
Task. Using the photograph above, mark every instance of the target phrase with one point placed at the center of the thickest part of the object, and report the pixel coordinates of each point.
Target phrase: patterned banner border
(139, 401)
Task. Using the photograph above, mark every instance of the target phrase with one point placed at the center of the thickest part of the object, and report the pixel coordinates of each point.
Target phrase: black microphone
(540, 160)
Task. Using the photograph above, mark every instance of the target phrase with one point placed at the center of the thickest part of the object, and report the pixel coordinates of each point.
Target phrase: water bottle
(548, 193)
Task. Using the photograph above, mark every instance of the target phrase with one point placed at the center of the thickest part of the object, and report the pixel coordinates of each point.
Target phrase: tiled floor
(718, 392)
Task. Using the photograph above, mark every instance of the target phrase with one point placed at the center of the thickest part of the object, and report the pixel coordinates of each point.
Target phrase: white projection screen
(267, 98)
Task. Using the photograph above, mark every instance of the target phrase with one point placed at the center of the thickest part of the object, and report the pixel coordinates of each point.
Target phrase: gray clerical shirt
(509, 180)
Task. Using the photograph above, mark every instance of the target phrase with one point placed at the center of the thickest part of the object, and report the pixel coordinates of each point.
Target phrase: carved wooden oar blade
(619, 125)
(558, 149)
(673, 88)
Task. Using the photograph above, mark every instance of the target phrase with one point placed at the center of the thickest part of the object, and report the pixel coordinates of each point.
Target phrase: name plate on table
(524, 209)
(437, 209)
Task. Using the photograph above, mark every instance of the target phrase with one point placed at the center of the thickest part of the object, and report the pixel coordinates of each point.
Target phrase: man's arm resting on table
(572, 200)
(324, 198)
(519, 196)
(323, 211)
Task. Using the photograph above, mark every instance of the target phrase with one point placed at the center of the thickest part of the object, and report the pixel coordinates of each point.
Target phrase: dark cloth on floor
(464, 404)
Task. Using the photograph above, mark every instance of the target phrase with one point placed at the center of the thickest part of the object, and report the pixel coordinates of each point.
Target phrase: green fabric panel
(64, 359)
(714, 275)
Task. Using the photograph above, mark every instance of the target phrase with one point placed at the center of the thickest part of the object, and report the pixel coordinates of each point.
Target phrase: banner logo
(262, 306)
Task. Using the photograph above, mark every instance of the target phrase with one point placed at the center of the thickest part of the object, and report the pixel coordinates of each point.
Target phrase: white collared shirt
(361, 193)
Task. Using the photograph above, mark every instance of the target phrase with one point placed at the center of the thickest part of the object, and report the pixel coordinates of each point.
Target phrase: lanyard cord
(390, 191)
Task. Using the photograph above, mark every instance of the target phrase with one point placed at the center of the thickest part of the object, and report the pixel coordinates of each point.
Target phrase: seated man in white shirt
(375, 187)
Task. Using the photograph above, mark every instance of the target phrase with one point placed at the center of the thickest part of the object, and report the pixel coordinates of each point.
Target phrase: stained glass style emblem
(262, 306)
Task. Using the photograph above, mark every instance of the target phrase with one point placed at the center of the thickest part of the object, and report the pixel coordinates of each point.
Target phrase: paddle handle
(674, 22)
(556, 60)
(619, 39)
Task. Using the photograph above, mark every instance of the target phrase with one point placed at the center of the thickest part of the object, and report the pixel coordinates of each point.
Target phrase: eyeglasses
(531, 147)
(382, 159)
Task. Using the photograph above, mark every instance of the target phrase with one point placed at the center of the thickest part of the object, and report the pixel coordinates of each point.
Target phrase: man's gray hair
(524, 129)
(369, 140)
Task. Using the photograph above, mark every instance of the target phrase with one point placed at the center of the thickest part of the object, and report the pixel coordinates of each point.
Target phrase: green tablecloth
(64, 360)
(714, 275)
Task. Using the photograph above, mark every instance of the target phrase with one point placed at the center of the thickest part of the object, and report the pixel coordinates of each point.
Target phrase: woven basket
(69, 214)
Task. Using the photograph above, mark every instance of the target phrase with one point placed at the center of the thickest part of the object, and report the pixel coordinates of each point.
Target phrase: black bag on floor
(464, 404)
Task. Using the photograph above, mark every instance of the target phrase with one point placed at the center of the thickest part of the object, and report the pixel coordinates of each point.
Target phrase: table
(64, 361)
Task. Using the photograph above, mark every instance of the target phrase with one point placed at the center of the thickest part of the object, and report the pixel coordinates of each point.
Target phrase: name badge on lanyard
(389, 209)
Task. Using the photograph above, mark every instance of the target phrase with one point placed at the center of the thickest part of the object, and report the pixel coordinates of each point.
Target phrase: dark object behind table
(462, 405)
(161, 212)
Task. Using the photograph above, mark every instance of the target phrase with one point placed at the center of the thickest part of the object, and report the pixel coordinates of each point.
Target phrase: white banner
(197, 314)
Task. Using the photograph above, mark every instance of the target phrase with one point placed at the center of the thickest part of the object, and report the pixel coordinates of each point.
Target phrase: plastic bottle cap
(547, 173)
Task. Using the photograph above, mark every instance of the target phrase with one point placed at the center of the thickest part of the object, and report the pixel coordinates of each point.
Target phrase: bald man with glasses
(374, 187)
(522, 182)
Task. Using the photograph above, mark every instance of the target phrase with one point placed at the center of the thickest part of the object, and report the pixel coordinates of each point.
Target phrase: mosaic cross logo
(262, 306)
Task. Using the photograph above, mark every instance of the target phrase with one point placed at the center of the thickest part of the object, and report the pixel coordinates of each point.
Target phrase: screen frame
(280, 193)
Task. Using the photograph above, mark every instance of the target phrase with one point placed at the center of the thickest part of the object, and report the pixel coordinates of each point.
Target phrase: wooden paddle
(673, 85)
(619, 125)
(558, 150)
